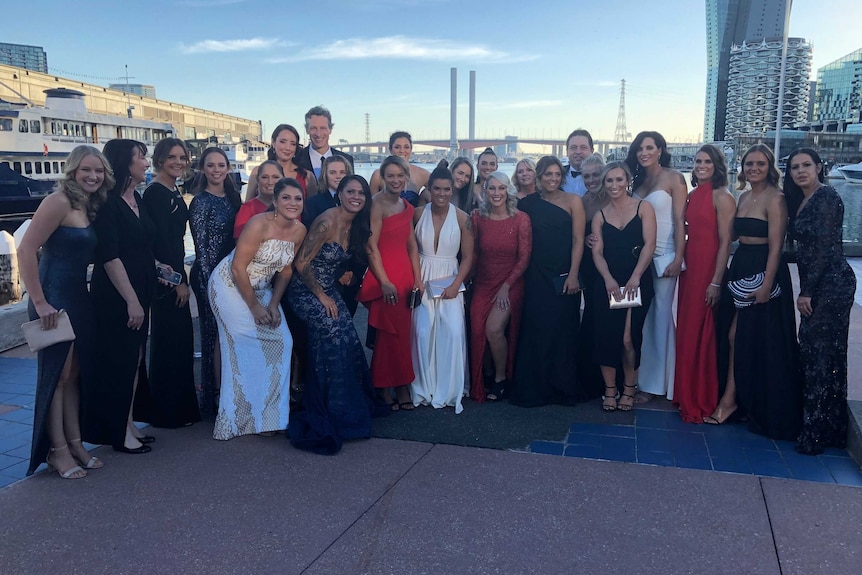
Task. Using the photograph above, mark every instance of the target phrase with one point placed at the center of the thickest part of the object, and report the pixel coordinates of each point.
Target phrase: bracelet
(714, 285)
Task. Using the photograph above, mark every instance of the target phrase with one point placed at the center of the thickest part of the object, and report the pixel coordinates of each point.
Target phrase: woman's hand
(571, 285)
(260, 314)
(136, 315)
(346, 278)
(613, 289)
(630, 290)
(501, 300)
(329, 305)
(591, 240)
(182, 292)
(274, 315)
(451, 292)
(674, 268)
(390, 293)
(167, 269)
(762, 294)
(803, 304)
(47, 315)
(713, 294)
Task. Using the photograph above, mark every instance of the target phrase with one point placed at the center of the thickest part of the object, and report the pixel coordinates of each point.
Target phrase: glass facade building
(23, 56)
(138, 89)
(838, 99)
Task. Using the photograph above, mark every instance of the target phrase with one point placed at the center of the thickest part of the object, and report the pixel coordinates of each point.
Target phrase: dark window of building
(56, 167)
(28, 168)
(35, 126)
(22, 126)
(16, 166)
(38, 167)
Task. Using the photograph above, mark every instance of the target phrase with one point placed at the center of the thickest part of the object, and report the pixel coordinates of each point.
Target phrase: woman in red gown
(709, 216)
(502, 244)
(393, 262)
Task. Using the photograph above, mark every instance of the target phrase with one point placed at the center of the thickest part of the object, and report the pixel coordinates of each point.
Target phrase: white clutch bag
(38, 338)
(435, 288)
(625, 302)
(661, 263)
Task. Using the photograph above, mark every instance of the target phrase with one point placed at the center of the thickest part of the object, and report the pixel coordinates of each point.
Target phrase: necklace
(132, 204)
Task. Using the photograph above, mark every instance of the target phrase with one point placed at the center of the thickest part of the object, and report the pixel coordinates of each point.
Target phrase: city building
(23, 56)
(137, 89)
(753, 83)
(838, 100)
(728, 23)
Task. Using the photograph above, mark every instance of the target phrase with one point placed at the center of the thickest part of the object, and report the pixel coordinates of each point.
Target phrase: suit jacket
(316, 205)
(303, 160)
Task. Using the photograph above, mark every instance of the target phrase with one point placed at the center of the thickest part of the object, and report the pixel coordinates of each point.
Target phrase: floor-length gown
(105, 405)
(621, 249)
(829, 281)
(63, 276)
(392, 363)
(255, 359)
(658, 352)
(439, 338)
(592, 384)
(695, 389)
(172, 376)
(766, 353)
(338, 401)
(211, 219)
(502, 253)
(546, 365)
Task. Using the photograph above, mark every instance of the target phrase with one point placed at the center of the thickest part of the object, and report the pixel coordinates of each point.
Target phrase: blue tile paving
(660, 437)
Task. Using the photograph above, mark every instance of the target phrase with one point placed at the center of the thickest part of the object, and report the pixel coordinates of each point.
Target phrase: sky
(543, 68)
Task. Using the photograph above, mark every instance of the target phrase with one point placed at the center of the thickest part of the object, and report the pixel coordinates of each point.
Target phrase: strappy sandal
(496, 390)
(93, 463)
(606, 398)
(69, 473)
(625, 406)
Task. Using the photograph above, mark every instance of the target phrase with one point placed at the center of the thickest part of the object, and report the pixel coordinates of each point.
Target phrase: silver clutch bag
(38, 338)
(625, 302)
(661, 262)
(435, 288)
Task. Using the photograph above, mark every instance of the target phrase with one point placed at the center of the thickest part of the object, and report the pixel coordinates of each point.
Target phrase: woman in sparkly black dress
(826, 288)
(211, 218)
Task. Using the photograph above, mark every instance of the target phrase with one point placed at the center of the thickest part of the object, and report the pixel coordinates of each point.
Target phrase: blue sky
(543, 67)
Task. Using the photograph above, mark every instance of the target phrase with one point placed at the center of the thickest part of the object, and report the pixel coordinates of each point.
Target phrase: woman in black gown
(172, 377)
(123, 282)
(339, 400)
(758, 355)
(827, 285)
(58, 281)
(211, 218)
(545, 363)
(625, 231)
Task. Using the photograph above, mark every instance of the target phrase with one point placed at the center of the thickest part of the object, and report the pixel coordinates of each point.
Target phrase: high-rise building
(838, 100)
(23, 56)
(752, 87)
(137, 89)
(730, 22)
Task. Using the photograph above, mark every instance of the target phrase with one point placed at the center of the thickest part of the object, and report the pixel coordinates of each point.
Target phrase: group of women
(273, 277)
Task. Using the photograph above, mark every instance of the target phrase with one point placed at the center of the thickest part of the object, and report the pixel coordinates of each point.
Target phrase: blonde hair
(78, 198)
(530, 164)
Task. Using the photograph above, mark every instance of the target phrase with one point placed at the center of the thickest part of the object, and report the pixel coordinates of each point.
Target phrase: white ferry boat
(35, 140)
(244, 156)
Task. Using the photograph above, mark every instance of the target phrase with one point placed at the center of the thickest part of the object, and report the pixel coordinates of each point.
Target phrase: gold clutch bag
(38, 338)
(625, 302)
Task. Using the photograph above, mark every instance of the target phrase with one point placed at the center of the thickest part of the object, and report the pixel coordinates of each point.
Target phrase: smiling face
(616, 183)
(592, 175)
(525, 174)
(551, 178)
(90, 174)
(463, 175)
(577, 148)
(755, 167)
(352, 197)
(215, 168)
(395, 179)
(175, 163)
(335, 172)
(138, 166)
(441, 192)
(267, 177)
(285, 145)
(496, 192)
(318, 129)
(288, 203)
(704, 169)
(402, 148)
(487, 164)
(648, 153)
(804, 171)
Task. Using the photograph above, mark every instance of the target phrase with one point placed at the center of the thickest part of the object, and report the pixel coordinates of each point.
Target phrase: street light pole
(781, 78)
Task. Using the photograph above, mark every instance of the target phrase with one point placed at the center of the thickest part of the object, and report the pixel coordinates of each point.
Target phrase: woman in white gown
(439, 338)
(255, 343)
(667, 192)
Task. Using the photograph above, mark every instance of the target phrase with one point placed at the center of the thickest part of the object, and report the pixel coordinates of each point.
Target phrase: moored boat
(852, 173)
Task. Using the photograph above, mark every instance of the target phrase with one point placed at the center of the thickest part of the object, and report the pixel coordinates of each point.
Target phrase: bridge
(558, 147)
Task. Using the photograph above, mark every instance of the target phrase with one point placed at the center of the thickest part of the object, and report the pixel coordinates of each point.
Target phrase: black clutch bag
(414, 299)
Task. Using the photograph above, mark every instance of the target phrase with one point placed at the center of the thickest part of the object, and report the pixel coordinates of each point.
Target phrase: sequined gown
(255, 359)
(211, 219)
(339, 400)
(63, 276)
(828, 280)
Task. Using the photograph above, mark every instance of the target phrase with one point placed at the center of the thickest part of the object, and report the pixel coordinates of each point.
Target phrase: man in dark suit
(579, 145)
(318, 126)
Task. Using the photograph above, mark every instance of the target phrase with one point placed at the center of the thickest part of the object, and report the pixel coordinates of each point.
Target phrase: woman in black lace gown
(339, 400)
(172, 377)
(826, 288)
(211, 218)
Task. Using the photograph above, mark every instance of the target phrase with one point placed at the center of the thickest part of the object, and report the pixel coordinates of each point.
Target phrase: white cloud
(239, 45)
(403, 48)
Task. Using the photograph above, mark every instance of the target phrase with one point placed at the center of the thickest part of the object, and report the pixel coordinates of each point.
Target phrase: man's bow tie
(575, 173)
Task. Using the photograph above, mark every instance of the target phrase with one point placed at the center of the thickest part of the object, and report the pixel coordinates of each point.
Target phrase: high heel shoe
(93, 463)
(625, 406)
(133, 451)
(607, 398)
(68, 474)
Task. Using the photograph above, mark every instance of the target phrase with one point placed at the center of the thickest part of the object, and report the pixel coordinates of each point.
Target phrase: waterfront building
(833, 147)
(23, 56)
(136, 89)
(838, 100)
(753, 83)
(730, 22)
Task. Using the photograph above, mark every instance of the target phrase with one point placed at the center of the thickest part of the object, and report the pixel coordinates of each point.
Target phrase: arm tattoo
(312, 244)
